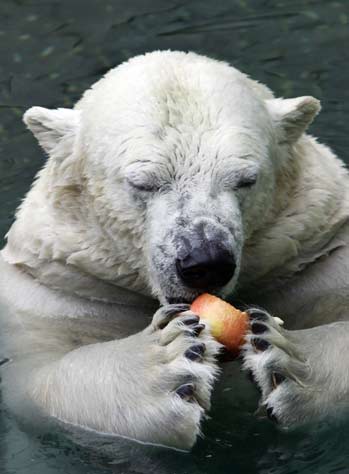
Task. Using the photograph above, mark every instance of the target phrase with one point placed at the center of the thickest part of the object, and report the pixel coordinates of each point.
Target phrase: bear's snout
(205, 266)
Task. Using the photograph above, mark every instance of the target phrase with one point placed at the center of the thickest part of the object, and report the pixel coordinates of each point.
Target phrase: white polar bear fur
(81, 240)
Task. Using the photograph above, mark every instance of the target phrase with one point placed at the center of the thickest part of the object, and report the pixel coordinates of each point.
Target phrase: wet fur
(153, 151)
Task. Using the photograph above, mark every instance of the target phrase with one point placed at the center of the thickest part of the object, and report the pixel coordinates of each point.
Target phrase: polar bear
(174, 175)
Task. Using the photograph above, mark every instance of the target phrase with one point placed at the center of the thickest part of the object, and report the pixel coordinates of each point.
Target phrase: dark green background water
(50, 52)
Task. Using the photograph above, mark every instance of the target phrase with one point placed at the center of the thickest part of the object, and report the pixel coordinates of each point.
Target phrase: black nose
(207, 267)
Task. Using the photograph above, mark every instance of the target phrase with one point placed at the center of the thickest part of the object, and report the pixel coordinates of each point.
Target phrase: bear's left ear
(52, 127)
(293, 116)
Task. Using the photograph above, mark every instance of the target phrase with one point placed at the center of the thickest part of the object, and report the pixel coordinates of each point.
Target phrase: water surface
(50, 52)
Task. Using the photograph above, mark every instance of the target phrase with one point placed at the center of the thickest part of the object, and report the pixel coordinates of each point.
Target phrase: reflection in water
(50, 52)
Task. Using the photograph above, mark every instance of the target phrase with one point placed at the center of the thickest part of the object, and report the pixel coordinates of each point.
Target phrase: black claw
(198, 329)
(260, 344)
(173, 309)
(258, 328)
(186, 391)
(195, 352)
(258, 315)
(277, 379)
(191, 320)
(167, 312)
(270, 415)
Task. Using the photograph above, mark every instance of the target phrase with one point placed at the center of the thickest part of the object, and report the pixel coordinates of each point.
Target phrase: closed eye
(139, 185)
(142, 178)
(246, 182)
(243, 176)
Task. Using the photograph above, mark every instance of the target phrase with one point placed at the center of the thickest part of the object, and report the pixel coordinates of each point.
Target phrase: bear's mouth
(189, 299)
(180, 300)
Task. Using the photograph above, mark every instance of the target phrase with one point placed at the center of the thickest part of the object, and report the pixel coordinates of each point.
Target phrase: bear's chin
(177, 297)
(188, 298)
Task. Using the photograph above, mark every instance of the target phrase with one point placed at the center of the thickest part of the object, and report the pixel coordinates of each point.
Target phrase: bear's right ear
(293, 116)
(51, 127)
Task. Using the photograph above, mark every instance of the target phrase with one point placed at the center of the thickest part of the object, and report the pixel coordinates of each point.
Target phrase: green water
(50, 52)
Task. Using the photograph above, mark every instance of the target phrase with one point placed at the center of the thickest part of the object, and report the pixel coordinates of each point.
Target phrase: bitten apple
(227, 324)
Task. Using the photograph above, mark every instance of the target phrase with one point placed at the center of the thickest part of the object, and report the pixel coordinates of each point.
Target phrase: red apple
(227, 324)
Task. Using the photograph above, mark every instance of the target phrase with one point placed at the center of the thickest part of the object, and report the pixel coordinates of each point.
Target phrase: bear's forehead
(171, 89)
(163, 108)
(168, 112)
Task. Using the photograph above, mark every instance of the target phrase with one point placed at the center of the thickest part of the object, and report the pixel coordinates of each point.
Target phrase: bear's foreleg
(153, 386)
(303, 375)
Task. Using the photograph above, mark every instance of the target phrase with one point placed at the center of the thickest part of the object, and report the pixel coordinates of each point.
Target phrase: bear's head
(173, 161)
